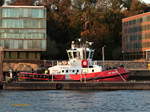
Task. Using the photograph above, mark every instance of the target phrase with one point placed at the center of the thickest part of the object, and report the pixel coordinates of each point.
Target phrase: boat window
(87, 54)
(92, 70)
(70, 55)
(77, 70)
(66, 71)
(62, 71)
(75, 54)
(91, 54)
(73, 71)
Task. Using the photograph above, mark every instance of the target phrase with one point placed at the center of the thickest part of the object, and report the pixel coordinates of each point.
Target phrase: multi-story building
(23, 31)
(22, 2)
(136, 37)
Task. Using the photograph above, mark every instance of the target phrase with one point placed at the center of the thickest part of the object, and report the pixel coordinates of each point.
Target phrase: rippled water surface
(74, 101)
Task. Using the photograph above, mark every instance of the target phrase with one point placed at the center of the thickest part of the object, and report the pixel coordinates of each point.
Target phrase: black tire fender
(59, 86)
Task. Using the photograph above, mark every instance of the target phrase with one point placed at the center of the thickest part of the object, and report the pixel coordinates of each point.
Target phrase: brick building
(136, 37)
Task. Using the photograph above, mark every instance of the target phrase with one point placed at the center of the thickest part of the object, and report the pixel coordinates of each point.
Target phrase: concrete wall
(77, 86)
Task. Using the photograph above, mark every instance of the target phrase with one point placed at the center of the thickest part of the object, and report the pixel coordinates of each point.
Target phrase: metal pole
(146, 56)
(85, 78)
(1, 63)
(103, 55)
(52, 78)
(81, 76)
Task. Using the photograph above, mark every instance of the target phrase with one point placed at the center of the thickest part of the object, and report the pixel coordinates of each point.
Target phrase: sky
(146, 1)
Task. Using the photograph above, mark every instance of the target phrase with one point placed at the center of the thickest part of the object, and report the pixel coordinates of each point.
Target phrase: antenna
(79, 39)
(73, 45)
(90, 43)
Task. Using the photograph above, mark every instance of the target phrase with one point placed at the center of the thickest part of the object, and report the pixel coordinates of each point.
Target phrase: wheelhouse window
(70, 55)
(91, 54)
(87, 54)
(75, 54)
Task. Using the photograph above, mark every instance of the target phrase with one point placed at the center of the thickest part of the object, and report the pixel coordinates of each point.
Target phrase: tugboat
(80, 67)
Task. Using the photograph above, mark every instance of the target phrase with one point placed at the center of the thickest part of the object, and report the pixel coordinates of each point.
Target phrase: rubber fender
(59, 86)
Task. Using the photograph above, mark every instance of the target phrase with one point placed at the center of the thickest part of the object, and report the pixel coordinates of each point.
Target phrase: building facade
(136, 37)
(23, 31)
(23, 2)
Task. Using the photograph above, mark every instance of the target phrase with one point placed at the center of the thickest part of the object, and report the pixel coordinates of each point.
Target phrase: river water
(74, 101)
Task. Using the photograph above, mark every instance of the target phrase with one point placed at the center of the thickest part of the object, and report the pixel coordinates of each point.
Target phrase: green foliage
(99, 21)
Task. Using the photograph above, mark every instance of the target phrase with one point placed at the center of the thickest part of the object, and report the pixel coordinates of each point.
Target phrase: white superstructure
(80, 61)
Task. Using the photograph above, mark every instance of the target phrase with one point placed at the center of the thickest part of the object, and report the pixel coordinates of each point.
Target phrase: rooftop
(135, 17)
(11, 6)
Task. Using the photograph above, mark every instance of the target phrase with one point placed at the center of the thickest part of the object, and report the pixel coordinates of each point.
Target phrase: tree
(58, 27)
(97, 21)
(1, 2)
(136, 7)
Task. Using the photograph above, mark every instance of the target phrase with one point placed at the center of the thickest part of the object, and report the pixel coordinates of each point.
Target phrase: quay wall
(77, 86)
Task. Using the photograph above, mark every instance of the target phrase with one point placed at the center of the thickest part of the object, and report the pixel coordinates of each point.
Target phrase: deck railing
(131, 65)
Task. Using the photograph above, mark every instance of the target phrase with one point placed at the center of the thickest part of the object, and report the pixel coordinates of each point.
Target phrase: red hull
(41, 77)
(119, 74)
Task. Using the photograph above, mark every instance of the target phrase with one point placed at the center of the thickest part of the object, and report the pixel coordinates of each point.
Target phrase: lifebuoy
(84, 63)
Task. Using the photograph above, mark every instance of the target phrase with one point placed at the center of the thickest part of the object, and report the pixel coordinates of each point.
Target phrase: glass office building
(136, 37)
(23, 31)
